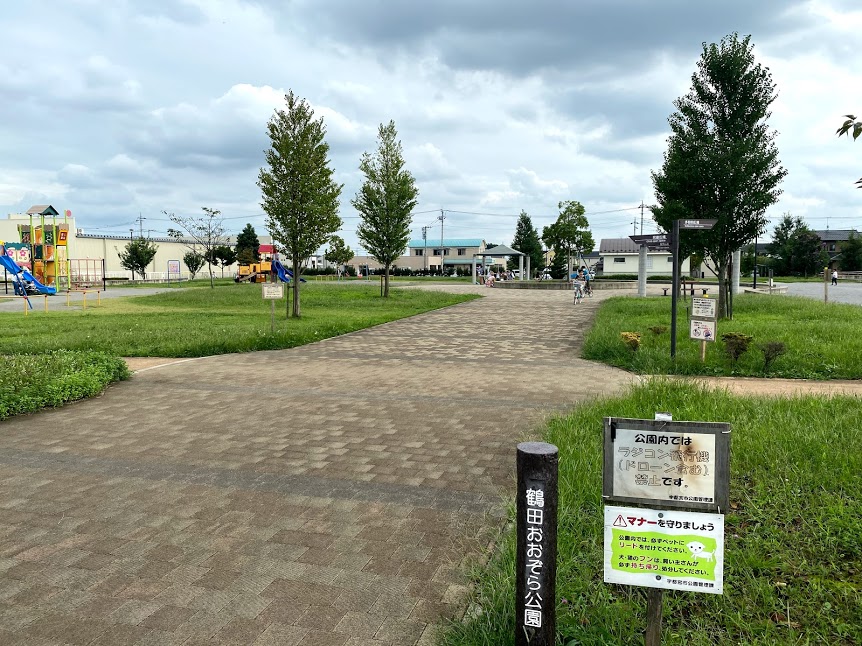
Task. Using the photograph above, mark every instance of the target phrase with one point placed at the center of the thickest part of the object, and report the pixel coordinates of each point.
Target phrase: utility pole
(425, 252)
(441, 217)
(141, 219)
(635, 223)
(642, 216)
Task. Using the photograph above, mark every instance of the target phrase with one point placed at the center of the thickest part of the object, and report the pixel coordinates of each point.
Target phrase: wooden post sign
(666, 468)
(272, 292)
(703, 315)
(536, 563)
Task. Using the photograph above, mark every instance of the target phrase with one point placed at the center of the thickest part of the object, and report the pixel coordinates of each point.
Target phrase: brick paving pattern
(324, 495)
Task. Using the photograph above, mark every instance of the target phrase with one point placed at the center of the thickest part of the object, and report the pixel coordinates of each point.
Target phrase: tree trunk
(722, 291)
(212, 281)
(295, 286)
(386, 282)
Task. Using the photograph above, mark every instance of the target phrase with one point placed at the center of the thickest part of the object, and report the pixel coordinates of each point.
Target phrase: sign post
(702, 323)
(674, 466)
(272, 292)
(173, 268)
(677, 225)
(536, 564)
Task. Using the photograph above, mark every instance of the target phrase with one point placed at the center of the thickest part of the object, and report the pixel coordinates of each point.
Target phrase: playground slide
(284, 274)
(12, 267)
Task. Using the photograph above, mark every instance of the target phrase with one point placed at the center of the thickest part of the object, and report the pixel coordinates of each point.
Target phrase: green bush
(29, 382)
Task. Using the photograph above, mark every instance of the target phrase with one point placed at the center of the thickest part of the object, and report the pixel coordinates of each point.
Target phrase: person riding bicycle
(578, 286)
(588, 289)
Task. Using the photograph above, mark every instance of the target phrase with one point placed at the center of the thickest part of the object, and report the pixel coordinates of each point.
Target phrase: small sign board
(702, 330)
(272, 291)
(683, 465)
(703, 308)
(657, 241)
(697, 224)
(673, 550)
(173, 266)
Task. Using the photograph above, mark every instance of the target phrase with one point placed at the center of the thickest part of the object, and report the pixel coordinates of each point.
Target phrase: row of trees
(300, 195)
(569, 236)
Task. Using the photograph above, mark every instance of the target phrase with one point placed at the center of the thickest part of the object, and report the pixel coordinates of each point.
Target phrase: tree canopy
(247, 245)
(721, 161)
(137, 255)
(338, 253)
(570, 235)
(194, 261)
(527, 241)
(385, 201)
(796, 249)
(300, 197)
(851, 253)
(206, 231)
(851, 127)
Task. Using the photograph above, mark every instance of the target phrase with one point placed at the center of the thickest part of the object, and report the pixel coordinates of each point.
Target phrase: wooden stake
(652, 636)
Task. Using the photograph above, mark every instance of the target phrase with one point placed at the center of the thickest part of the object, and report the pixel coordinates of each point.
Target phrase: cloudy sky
(135, 107)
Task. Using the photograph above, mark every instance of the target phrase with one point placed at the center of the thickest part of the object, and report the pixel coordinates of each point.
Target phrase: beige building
(426, 255)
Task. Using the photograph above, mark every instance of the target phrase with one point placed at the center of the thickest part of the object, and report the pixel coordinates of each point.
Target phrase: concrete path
(321, 496)
(57, 302)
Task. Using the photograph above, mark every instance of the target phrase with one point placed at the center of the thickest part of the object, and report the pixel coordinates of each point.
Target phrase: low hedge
(29, 382)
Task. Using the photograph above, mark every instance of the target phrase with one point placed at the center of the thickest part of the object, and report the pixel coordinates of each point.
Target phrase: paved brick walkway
(318, 496)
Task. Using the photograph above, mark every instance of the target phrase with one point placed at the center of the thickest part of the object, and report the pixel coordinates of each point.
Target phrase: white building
(621, 256)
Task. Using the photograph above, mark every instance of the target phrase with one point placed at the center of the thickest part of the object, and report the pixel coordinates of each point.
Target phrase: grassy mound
(793, 546)
(29, 382)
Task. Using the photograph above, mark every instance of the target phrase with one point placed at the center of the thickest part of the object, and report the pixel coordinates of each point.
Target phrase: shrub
(658, 330)
(772, 350)
(736, 344)
(632, 340)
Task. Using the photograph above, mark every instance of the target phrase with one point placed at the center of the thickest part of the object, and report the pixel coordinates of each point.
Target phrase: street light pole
(441, 217)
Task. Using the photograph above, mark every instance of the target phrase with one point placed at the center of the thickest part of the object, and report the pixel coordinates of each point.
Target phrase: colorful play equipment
(42, 247)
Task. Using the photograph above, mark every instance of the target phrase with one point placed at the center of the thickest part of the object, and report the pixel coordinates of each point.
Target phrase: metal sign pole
(674, 289)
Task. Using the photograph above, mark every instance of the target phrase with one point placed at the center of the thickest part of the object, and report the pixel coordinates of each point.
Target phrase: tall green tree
(570, 235)
(247, 245)
(137, 255)
(851, 253)
(796, 249)
(300, 197)
(194, 262)
(338, 253)
(200, 231)
(721, 161)
(385, 200)
(224, 256)
(527, 241)
(851, 127)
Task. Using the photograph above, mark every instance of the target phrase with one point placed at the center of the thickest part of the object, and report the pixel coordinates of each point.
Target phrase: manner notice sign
(674, 550)
(671, 464)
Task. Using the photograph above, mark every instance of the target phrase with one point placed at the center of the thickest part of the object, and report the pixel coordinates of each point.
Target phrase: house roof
(447, 242)
(618, 245)
(835, 235)
(42, 209)
(502, 250)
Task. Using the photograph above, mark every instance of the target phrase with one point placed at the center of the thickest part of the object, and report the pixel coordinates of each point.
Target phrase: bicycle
(579, 291)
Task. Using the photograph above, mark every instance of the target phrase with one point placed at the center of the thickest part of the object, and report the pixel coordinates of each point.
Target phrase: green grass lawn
(198, 322)
(29, 382)
(793, 535)
(823, 341)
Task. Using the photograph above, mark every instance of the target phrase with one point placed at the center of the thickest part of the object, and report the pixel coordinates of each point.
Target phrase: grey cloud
(520, 38)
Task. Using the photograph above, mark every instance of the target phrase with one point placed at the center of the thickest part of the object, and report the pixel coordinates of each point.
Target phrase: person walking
(834, 276)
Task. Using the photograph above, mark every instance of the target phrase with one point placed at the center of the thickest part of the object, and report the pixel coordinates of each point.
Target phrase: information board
(669, 464)
(702, 330)
(173, 266)
(272, 291)
(673, 550)
(703, 308)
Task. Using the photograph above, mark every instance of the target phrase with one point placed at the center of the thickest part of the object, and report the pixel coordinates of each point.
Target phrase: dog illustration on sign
(698, 551)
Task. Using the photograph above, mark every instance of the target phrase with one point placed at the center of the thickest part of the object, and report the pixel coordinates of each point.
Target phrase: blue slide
(26, 280)
(284, 274)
